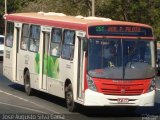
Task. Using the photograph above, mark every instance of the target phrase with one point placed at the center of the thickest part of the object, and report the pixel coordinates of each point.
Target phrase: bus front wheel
(71, 105)
(27, 85)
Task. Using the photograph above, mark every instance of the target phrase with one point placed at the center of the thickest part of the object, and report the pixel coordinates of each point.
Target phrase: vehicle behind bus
(1, 46)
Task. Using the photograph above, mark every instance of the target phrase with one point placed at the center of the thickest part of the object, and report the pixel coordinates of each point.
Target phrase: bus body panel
(98, 99)
(8, 58)
(22, 63)
(34, 74)
(55, 87)
(48, 22)
(75, 70)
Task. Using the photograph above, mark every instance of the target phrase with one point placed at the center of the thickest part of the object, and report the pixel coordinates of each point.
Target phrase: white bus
(91, 61)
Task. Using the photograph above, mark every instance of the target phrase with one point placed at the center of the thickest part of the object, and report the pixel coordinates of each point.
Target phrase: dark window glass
(25, 37)
(121, 58)
(68, 44)
(34, 38)
(56, 38)
(9, 34)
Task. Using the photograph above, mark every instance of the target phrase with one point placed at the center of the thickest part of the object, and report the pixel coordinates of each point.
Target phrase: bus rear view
(120, 67)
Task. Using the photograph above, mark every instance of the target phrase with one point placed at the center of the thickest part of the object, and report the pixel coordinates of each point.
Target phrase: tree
(1, 17)
(141, 11)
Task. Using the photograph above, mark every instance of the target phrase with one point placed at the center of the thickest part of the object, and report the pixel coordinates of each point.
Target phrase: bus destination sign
(120, 31)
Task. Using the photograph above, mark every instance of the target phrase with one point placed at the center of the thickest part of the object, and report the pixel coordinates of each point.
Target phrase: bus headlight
(152, 85)
(91, 84)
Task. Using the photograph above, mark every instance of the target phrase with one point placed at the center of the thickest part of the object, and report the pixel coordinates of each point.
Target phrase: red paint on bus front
(122, 87)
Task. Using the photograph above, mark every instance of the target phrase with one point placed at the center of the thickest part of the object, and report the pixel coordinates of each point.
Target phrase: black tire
(27, 85)
(71, 105)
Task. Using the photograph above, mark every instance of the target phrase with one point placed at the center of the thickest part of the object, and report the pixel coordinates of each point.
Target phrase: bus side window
(34, 38)
(25, 37)
(68, 44)
(55, 42)
(9, 34)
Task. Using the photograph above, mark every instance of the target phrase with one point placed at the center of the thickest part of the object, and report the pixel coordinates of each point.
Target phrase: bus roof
(61, 20)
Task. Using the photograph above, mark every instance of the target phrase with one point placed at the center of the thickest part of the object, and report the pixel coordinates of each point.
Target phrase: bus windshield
(120, 58)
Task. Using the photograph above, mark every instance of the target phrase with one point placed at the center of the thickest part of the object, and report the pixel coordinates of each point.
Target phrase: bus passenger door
(81, 65)
(10, 50)
(18, 27)
(46, 38)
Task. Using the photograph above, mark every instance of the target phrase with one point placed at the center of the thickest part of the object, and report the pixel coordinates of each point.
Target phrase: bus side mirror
(85, 44)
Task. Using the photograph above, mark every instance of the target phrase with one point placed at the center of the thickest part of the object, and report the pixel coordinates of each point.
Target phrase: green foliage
(142, 11)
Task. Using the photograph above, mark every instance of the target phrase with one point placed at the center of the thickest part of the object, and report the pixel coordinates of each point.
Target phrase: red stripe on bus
(44, 22)
(85, 75)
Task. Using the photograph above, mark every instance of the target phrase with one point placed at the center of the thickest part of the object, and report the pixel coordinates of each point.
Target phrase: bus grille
(121, 92)
(122, 88)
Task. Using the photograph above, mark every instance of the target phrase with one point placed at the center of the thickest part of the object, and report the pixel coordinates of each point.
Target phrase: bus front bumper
(93, 98)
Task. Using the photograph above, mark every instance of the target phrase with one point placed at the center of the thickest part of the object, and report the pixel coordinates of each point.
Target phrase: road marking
(55, 112)
(17, 106)
(29, 102)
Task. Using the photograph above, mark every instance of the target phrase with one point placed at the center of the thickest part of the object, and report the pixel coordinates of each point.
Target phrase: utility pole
(93, 7)
(5, 13)
(5, 6)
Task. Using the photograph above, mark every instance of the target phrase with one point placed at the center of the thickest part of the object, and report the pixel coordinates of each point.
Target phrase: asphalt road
(15, 104)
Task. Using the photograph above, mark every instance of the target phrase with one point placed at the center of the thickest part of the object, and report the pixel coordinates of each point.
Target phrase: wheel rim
(69, 98)
(27, 85)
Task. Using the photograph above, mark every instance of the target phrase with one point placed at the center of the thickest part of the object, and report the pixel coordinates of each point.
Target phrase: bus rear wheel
(27, 85)
(71, 105)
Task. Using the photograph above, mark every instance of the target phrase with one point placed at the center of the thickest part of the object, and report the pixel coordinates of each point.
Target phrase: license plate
(122, 100)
